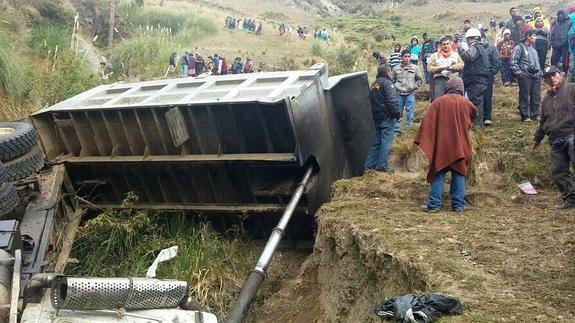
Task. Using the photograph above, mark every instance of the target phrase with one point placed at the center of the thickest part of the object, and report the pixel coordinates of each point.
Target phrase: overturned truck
(257, 147)
(234, 144)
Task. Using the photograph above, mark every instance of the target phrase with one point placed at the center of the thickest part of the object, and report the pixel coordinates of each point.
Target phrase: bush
(316, 48)
(55, 13)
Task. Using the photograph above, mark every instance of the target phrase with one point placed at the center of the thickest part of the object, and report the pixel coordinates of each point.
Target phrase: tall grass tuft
(44, 38)
(124, 242)
(12, 67)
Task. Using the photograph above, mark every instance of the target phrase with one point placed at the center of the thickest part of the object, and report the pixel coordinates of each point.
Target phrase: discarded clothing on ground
(412, 309)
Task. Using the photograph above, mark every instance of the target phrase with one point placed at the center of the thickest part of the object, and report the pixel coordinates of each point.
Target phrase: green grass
(124, 242)
(12, 67)
(45, 37)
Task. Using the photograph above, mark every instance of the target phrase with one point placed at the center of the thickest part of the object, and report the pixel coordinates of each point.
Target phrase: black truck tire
(3, 175)
(25, 165)
(8, 198)
(16, 139)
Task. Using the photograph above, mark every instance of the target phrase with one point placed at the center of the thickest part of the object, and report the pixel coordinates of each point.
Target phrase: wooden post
(111, 23)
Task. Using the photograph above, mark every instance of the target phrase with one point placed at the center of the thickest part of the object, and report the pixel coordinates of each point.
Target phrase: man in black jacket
(476, 70)
(385, 111)
(494, 65)
(557, 122)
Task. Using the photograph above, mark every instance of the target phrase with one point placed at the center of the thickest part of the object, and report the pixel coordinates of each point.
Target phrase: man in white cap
(476, 70)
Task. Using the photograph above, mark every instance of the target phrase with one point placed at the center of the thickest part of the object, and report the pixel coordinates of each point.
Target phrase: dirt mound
(512, 262)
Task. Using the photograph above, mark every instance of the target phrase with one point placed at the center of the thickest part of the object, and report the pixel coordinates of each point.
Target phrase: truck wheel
(25, 165)
(8, 198)
(16, 138)
(3, 175)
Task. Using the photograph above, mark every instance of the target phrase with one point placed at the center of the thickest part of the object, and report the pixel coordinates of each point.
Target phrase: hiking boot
(564, 205)
(386, 170)
(537, 118)
(424, 208)
(487, 122)
(527, 120)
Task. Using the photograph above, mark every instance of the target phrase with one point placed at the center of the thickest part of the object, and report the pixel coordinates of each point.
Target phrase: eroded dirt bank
(507, 261)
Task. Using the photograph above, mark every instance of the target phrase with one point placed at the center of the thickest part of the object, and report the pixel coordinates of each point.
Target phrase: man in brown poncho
(445, 139)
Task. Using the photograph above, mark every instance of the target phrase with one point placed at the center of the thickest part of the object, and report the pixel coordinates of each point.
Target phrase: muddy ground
(508, 257)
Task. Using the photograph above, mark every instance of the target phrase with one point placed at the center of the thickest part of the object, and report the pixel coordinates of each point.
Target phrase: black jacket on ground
(557, 114)
(384, 104)
(476, 69)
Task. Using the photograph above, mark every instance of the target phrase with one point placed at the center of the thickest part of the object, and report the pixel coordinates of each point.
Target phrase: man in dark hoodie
(494, 65)
(558, 37)
(476, 70)
(385, 110)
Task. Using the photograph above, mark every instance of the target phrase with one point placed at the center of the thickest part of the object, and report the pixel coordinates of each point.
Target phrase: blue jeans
(184, 70)
(383, 140)
(406, 102)
(456, 190)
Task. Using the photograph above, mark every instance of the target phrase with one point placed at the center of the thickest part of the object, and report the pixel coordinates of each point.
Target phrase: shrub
(316, 48)
(55, 13)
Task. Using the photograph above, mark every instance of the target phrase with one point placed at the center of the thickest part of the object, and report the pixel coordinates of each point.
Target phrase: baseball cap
(550, 70)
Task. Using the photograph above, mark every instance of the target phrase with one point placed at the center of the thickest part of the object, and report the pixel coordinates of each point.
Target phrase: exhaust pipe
(258, 274)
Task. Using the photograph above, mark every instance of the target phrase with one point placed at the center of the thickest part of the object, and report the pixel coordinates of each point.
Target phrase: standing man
(476, 70)
(427, 49)
(518, 29)
(525, 65)
(558, 37)
(445, 139)
(466, 26)
(172, 63)
(513, 14)
(494, 66)
(184, 64)
(407, 79)
(557, 123)
(385, 111)
(443, 65)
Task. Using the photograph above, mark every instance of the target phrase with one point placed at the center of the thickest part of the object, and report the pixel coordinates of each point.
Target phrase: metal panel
(177, 126)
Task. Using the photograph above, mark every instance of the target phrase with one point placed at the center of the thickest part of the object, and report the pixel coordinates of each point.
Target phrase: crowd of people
(195, 65)
(460, 70)
(302, 32)
(245, 24)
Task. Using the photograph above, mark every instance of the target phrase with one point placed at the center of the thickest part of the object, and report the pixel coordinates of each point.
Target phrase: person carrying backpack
(385, 110)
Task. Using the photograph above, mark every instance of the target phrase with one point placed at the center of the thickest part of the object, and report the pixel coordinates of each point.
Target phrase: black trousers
(562, 157)
(475, 93)
(488, 99)
(542, 47)
(529, 97)
(558, 53)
